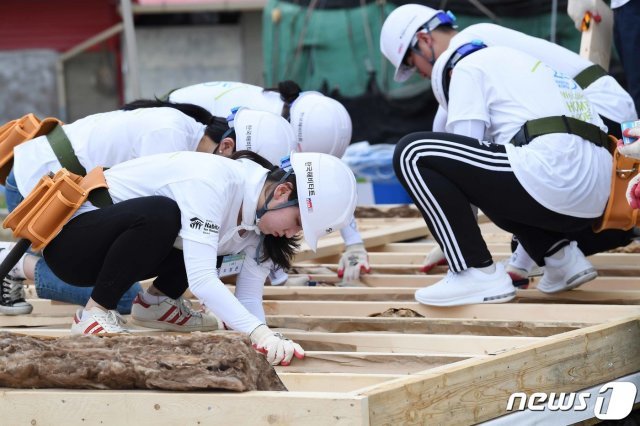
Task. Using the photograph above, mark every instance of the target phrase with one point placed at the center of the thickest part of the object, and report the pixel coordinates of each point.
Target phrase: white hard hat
(326, 191)
(264, 133)
(320, 124)
(398, 31)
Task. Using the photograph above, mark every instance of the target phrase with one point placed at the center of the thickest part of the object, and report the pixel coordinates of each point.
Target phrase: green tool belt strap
(560, 124)
(61, 146)
(589, 75)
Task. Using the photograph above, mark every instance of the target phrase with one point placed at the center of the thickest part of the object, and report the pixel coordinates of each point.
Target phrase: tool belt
(560, 124)
(618, 214)
(18, 131)
(43, 213)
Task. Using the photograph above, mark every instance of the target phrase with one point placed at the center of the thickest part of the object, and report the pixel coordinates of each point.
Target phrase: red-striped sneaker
(172, 314)
(97, 321)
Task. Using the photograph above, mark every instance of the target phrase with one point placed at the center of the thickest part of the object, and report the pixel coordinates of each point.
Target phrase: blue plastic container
(390, 192)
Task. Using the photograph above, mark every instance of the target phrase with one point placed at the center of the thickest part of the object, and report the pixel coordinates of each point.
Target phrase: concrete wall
(27, 84)
(174, 57)
(168, 57)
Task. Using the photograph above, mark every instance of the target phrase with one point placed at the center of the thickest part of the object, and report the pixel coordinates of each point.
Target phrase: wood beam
(150, 408)
(504, 311)
(473, 391)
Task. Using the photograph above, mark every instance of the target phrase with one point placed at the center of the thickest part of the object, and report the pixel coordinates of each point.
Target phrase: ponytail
(289, 91)
(279, 249)
(216, 126)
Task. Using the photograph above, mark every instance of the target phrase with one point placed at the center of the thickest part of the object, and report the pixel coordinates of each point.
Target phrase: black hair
(279, 249)
(216, 126)
(289, 91)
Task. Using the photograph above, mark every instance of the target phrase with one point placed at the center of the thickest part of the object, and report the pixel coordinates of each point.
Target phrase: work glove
(633, 192)
(277, 348)
(354, 260)
(633, 149)
(577, 9)
(433, 259)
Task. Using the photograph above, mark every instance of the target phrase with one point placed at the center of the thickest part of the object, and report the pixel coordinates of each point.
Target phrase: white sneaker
(567, 273)
(173, 314)
(468, 287)
(97, 321)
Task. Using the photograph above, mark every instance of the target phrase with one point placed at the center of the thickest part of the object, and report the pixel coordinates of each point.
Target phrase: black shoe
(12, 298)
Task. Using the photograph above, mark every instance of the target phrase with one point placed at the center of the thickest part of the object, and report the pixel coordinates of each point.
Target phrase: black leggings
(446, 173)
(112, 247)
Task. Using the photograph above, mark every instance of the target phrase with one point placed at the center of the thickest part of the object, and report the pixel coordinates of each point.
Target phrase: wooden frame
(453, 365)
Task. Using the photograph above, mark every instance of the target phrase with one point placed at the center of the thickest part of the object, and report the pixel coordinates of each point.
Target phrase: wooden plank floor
(446, 365)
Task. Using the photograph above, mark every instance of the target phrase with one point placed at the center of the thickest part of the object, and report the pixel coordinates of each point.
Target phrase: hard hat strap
(262, 210)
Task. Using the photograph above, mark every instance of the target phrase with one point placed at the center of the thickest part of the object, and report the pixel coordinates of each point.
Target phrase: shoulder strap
(589, 75)
(61, 146)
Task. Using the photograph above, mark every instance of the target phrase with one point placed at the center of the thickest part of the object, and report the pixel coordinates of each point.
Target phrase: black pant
(446, 173)
(112, 247)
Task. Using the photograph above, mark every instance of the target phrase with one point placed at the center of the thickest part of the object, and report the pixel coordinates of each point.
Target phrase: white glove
(633, 192)
(354, 260)
(578, 8)
(279, 349)
(433, 259)
(633, 149)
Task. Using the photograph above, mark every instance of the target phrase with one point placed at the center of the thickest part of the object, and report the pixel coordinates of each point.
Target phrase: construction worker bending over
(610, 100)
(173, 214)
(141, 128)
(521, 136)
(320, 124)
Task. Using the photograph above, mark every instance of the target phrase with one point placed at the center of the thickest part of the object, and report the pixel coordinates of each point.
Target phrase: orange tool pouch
(618, 214)
(43, 213)
(17, 131)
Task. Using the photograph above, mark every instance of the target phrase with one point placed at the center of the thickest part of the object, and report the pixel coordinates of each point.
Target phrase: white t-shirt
(219, 97)
(503, 88)
(607, 96)
(108, 139)
(212, 192)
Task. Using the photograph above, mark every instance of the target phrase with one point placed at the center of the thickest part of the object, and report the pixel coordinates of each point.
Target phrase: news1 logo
(623, 396)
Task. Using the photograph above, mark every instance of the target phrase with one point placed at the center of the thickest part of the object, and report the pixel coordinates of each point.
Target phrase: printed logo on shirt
(309, 205)
(328, 230)
(211, 228)
(196, 223)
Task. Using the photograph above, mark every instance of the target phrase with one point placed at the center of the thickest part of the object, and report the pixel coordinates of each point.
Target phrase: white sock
(152, 299)
(520, 259)
(488, 269)
(18, 270)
